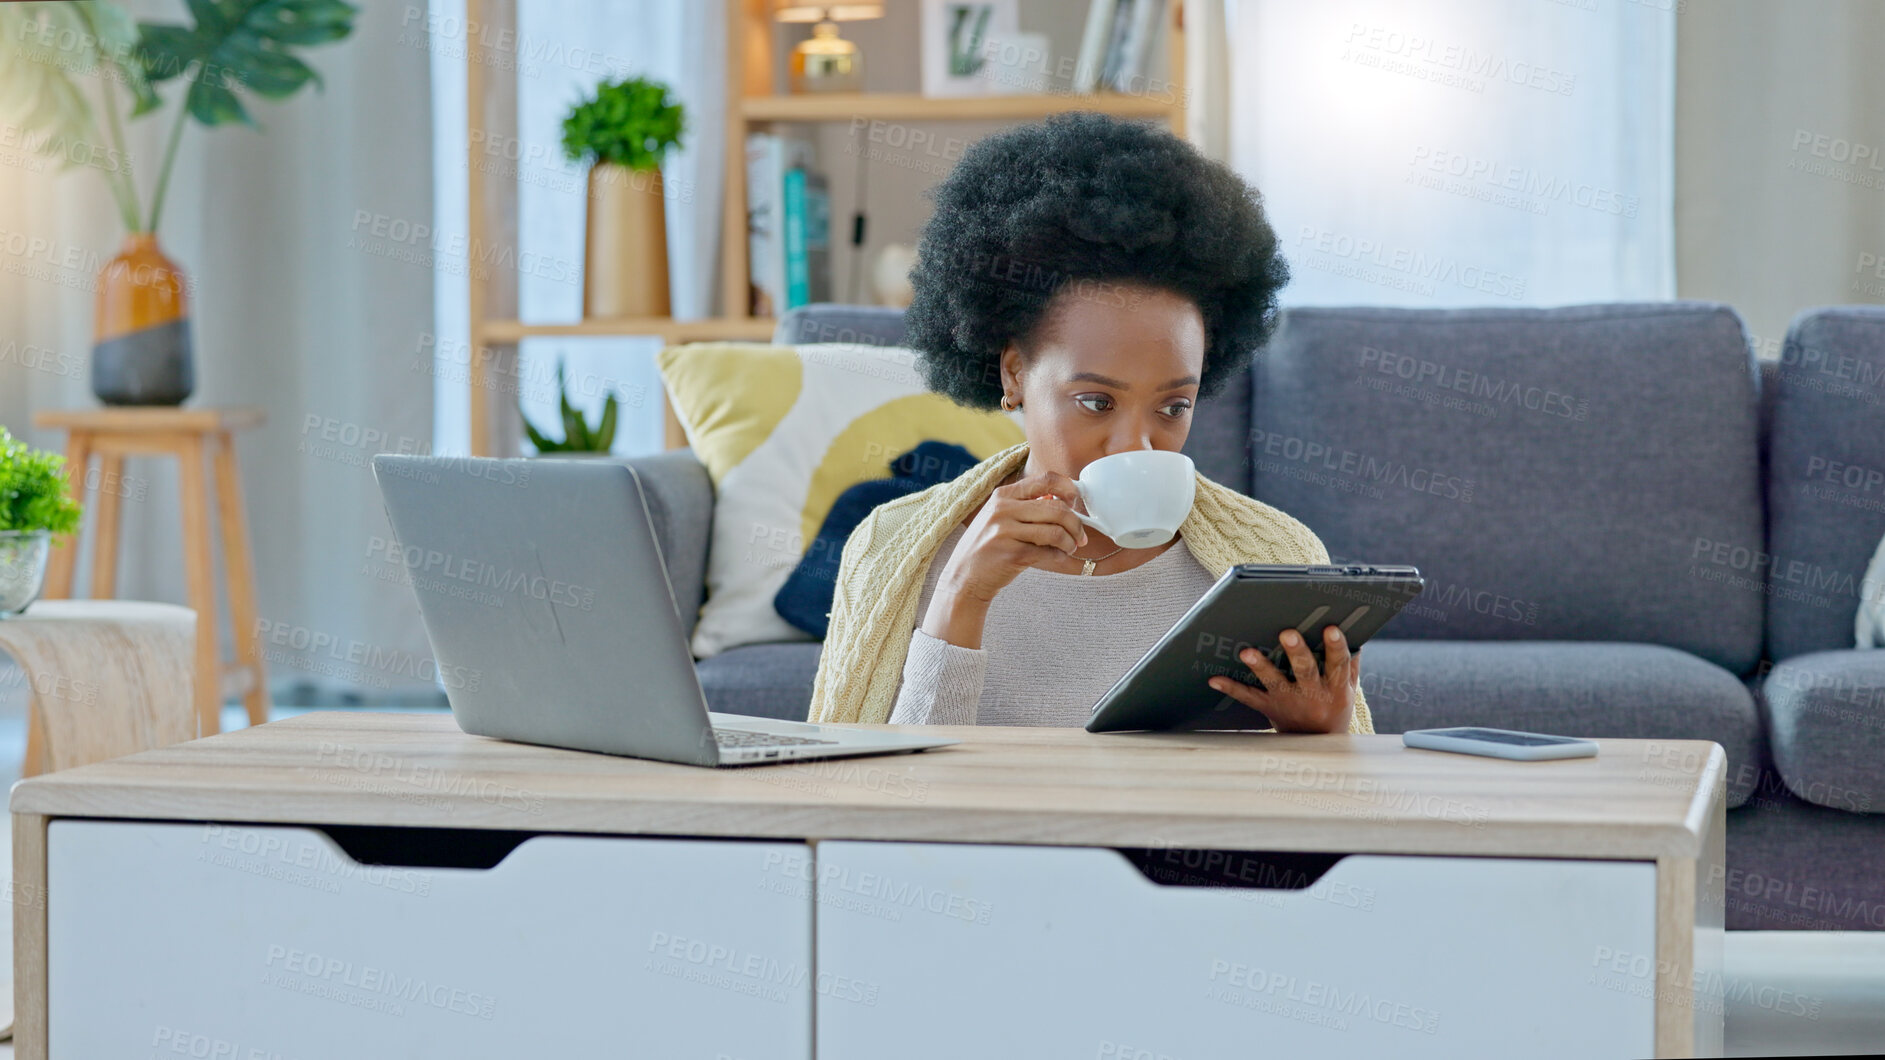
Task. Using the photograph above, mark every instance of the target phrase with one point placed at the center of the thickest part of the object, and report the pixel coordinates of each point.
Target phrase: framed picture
(956, 35)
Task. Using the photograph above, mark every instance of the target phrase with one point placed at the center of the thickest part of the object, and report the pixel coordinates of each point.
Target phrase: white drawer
(1048, 952)
(239, 942)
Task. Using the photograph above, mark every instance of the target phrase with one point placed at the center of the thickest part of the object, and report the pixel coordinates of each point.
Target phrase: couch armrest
(1826, 724)
(680, 503)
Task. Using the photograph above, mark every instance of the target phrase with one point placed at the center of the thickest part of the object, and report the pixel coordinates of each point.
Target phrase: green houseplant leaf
(34, 494)
(578, 436)
(47, 52)
(235, 45)
(45, 45)
(242, 44)
(537, 440)
(631, 122)
(605, 432)
(118, 39)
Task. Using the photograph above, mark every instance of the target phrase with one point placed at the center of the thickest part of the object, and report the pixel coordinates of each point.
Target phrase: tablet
(1248, 607)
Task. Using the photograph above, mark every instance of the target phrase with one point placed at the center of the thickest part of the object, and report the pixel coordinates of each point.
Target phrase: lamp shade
(792, 11)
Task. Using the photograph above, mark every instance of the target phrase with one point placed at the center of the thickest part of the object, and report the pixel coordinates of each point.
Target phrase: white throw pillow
(1869, 625)
(783, 430)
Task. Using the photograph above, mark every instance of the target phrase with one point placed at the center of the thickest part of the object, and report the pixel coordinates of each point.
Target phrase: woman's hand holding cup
(1027, 523)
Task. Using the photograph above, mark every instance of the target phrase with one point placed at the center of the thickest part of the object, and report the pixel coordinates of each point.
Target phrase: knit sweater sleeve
(942, 683)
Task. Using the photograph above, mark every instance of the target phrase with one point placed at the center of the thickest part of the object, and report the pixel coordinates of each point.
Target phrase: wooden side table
(104, 678)
(196, 437)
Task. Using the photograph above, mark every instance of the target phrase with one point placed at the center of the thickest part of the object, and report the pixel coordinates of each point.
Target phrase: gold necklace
(1091, 563)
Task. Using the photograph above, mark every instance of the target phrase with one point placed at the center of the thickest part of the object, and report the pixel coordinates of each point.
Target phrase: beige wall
(1769, 97)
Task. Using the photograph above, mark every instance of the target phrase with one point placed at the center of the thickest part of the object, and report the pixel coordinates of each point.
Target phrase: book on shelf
(1138, 45)
(816, 240)
(787, 227)
(1116, 46)
(807, 237)
(1086, 70)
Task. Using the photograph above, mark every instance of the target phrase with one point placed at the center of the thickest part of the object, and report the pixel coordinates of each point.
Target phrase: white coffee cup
(1138, 498)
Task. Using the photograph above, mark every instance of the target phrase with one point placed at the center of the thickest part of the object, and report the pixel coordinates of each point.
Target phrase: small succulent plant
(578, 436)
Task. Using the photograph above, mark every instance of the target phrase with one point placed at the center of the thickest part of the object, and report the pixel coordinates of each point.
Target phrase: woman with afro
(1102, 277)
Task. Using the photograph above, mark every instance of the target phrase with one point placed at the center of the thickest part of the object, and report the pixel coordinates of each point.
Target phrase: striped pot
(142, 353)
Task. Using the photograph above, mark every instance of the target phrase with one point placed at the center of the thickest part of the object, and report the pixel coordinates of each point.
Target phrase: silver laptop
(546, 599)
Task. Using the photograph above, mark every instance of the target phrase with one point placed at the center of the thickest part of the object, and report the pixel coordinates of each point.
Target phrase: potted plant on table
(142, 350)
(622, 132)
(35, 504)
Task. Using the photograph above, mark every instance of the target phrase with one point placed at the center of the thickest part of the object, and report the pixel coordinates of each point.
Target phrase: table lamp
(826, 62)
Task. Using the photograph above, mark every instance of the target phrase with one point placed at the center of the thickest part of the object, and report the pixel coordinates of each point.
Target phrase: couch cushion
(1825, 477)
(863, 325)
(1220, 435)
(1633, 691)
(1794, 866)
(679, 496)
(1555, 473)
(1826, 721)
(762, 680)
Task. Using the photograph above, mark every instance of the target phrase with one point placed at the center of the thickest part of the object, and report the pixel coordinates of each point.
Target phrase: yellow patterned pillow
(783, 430)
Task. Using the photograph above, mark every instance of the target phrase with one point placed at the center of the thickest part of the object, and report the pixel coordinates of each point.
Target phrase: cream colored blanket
(880, 577)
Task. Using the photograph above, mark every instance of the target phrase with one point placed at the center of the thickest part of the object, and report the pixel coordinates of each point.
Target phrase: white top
(1053, 643)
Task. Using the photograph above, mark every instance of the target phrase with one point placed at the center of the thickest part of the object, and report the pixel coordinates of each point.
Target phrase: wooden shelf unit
(909, 106)
(753, 101)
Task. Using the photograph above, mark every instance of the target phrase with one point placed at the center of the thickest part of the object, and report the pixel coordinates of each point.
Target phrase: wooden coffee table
(340, 878)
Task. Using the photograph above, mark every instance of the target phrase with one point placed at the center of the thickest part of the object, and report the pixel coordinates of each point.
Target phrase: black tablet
(1248, 607)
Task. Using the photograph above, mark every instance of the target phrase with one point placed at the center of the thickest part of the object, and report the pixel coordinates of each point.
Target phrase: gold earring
(1008, 406)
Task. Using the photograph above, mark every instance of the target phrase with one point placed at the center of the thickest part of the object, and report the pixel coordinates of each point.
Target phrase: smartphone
(1500, 743)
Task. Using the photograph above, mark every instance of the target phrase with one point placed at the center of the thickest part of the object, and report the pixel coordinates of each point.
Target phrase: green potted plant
(35, 505)
(49, 51)
(622, 132)
(578, 437)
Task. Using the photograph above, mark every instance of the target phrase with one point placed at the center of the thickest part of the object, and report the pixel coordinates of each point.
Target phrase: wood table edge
(115, 789)
(809, 822)
(136, 419)
(29, 937)
(1690, 913)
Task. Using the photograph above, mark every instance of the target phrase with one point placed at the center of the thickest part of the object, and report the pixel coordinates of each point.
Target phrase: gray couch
(1629, 529)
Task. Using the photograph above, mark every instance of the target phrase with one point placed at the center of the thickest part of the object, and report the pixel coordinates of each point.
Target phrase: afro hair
(1083, 201)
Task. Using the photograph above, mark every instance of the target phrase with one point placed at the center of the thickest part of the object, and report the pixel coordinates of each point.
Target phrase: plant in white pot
(35, 505)
(623, 131)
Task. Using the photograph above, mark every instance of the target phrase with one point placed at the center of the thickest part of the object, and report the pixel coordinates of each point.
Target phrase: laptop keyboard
(748, 738)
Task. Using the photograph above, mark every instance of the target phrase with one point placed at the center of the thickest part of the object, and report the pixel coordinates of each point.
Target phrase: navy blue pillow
(805, 598)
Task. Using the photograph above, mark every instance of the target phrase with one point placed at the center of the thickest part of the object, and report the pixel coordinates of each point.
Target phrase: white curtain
(1459, 152)
(564, 49)
(311, 294)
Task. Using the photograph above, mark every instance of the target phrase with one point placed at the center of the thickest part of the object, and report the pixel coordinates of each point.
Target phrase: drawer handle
(1267, 870)
(424, 848)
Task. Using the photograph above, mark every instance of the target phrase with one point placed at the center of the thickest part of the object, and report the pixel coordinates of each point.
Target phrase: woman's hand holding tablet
(1309, 698)
(1223, 665)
